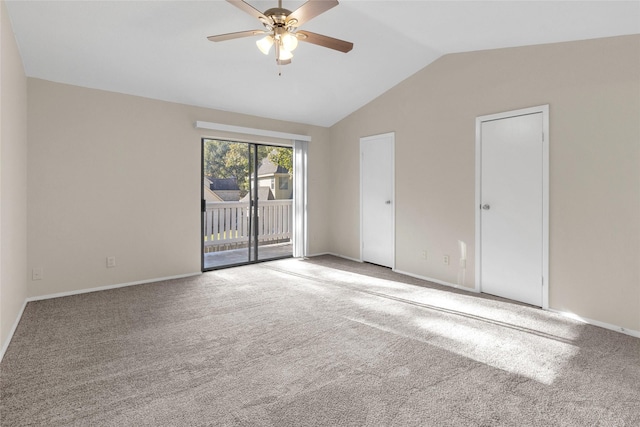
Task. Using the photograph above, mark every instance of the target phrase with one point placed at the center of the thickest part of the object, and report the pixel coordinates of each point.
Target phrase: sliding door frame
(298, 142)
(253, 255)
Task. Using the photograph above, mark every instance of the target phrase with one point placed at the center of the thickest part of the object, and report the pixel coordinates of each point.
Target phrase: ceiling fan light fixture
(289, 42)
(284, 54)
(264, 44)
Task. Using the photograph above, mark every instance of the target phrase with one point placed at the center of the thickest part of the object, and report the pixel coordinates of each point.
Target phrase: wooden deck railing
(226, 224)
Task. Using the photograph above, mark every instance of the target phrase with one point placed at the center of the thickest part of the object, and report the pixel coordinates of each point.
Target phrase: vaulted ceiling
(159, 49)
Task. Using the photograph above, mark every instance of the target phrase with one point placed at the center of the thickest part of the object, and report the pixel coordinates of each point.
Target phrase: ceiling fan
(281, 29)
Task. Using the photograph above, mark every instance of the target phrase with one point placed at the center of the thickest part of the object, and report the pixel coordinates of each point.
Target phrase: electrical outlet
(445, 259)
(424, 255)
(36, 274)
(111, 261)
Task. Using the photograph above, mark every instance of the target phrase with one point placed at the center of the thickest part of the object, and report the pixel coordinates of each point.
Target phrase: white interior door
(377, 199)
(511, 207)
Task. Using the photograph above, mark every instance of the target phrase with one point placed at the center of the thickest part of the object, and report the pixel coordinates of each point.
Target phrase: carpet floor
(319, 342)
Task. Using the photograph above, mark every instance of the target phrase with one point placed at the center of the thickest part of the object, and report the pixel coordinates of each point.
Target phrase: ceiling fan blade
(309, 10)
(231, 36)
(325, 41)
(247, 8)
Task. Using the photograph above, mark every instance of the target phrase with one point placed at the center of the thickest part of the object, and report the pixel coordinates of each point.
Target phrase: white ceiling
(158, 49)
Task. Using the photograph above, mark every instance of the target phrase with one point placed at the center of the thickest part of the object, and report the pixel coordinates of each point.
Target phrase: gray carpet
(321, 342)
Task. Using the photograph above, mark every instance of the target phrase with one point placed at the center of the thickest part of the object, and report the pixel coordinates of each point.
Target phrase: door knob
(486, 207)
(388, 202)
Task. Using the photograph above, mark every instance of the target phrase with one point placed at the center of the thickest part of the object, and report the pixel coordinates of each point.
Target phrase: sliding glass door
(247, 203)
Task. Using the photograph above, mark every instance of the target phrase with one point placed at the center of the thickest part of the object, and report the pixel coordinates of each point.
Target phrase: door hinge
(203, 205)
(542, 136)
(542, 281)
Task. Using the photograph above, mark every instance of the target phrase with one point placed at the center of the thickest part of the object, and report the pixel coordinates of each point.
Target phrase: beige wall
(118, 175)
(593, 88)
(13, 179)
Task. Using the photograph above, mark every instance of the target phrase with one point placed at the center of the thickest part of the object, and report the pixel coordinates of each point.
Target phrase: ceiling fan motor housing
(279, 17)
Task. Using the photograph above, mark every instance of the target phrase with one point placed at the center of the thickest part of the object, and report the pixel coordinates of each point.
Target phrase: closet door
(377, 214)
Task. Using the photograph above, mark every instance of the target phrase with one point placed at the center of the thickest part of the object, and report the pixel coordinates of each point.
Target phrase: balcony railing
(226, 224)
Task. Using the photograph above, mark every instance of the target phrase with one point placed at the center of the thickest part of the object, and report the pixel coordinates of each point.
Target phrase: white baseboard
(78, 292)
(588, 321)
(6, 343)
(604, 325)
(335, 255)
(405, 273)
(598, 323)
(104, 288)
(439, 282)
(315, 255)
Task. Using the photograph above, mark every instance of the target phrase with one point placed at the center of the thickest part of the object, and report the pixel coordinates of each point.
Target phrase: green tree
(225, 159)
(283, 157)
(214, 158)
(236, 162)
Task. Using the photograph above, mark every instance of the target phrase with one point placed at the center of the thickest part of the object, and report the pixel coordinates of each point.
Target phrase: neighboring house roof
(228, 184)
(228, 195)
(221, 189)
(209, 195)
(269, 168)
(264, 193)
